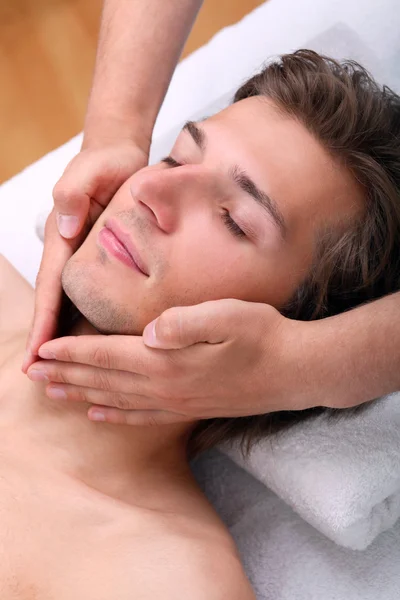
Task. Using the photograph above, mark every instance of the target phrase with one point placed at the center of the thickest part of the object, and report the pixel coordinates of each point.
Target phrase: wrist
(340, 361)
(102, 130)
(314, 361)
(304, 367)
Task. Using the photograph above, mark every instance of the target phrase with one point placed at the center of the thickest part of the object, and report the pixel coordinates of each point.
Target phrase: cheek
(230, 270)
(218, 268)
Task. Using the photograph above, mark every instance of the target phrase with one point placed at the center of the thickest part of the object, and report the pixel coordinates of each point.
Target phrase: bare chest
(57, 543)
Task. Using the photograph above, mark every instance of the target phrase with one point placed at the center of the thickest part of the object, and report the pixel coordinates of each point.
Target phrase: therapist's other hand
(223, 358)
(88, 184)
(91, 180)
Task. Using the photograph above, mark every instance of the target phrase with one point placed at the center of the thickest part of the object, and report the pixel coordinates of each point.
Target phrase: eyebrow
(242, 180)
(197, 134)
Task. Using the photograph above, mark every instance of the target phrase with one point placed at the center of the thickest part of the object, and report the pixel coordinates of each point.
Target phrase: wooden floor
(47, 51)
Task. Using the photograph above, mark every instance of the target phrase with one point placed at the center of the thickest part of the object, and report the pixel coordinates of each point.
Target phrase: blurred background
(47, 53)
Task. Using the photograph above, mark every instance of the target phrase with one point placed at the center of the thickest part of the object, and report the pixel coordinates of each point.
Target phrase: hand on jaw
(210, 360)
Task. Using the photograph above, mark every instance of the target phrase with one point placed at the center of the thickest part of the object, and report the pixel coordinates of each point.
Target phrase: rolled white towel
(341, 476)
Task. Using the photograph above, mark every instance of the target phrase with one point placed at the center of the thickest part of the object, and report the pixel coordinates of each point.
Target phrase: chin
(87, 292)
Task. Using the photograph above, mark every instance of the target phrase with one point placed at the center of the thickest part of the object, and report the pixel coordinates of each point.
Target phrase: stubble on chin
(90, 300)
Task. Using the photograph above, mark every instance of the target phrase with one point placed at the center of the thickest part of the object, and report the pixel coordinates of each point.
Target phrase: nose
(165, 194)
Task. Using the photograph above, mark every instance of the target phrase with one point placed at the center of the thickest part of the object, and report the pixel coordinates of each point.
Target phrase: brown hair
(358, 122)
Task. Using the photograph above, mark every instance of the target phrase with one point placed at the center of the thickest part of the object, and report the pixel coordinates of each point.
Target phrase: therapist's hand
(216, 359)
(86, 187)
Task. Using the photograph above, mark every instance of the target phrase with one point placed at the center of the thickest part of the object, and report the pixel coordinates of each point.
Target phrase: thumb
(72, 205)
(182, 326)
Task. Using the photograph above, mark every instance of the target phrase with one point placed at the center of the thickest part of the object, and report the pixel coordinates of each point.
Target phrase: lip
(125, 239)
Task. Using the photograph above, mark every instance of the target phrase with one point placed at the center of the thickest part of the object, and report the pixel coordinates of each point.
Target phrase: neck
(104, 456)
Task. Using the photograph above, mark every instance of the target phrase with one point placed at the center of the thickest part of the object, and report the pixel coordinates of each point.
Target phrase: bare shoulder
(16, 299)
(158, 554)
(217, 574)
(206, 565)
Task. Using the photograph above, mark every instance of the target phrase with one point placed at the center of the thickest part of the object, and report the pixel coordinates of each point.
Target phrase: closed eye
(171, 162)
(231, 225)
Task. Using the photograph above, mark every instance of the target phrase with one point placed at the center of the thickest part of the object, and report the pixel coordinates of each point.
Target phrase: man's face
(248, 163)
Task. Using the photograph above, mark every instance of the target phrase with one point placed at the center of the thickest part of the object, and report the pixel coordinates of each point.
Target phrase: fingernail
(56, 393)
(149, 334)
(37, 375)
(67, 225)
(97, 415)
(46, 354)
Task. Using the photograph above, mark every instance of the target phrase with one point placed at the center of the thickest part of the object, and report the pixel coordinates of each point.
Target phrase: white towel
(342, 477)
(286, 558)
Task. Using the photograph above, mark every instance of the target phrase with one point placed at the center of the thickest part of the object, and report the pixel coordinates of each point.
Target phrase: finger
(120, 352)
(85, 189)
(146, 418)
(72, 201)
(182, 326)
(43, 327)
(91, 377)
(64, 391)
(48, 291)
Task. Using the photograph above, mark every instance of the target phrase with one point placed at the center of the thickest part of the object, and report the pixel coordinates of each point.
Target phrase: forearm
(357, 353)
(139, 45)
